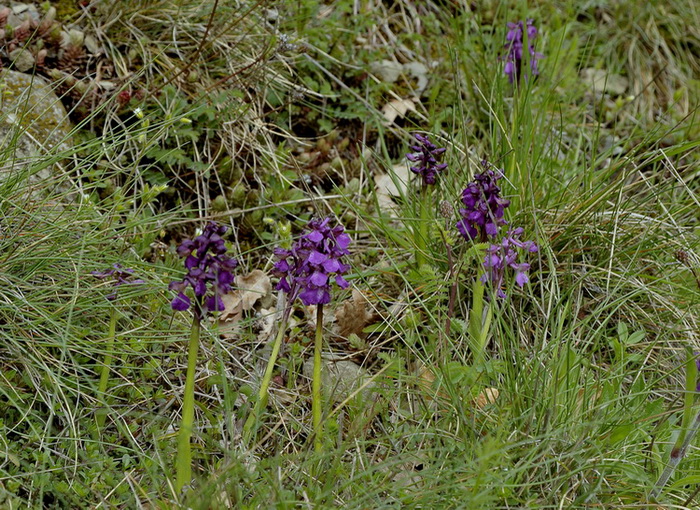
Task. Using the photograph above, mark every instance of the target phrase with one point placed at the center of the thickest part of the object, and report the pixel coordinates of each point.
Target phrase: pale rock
(22, 59)
(340, 379)
(386, 70)
(603, 82)
(33, 123)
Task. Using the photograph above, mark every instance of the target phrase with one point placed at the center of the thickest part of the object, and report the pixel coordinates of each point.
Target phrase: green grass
(588, 360)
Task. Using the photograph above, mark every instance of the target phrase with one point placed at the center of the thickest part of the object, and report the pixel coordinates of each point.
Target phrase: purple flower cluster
(503, 255)
(206, 263)
(483, 209)
(426, 155)
(482, 217)
(307, 269)
(514, 47)
(119, 275)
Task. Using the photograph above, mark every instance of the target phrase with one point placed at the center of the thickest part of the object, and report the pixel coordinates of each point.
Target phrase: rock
(420, 73)
(33, 123)
(340, 379)
(22, 59)
(92, 45)
(388, 186)
(386, 70)
(603, 82)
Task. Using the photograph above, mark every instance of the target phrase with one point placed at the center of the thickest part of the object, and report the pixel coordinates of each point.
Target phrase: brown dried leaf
(487, 396)
(389, 186)
(250, 288)
(352, 317)
(397, 108)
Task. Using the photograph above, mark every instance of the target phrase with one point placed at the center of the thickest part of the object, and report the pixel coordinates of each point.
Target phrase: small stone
(22, 59)
(92, 45)
(34, 118)
(20, 8)
(340, 379)
(603, 82)
(386, 70)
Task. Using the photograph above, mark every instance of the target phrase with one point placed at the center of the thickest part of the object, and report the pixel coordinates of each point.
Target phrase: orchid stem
(688, 431)
(251, 423)
(316, 383)
(422, 229)
(184, 447)
(106, 365)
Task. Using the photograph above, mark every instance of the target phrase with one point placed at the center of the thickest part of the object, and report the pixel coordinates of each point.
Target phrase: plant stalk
(316, 383)
(688, 432)
(106, 365)
(184, 447)
(478, 324)
(422, 229)
(251, 423)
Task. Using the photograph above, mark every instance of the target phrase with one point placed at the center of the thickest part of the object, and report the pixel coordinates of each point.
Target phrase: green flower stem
(421, 232)
(251, 423)
(688, 430)
(511, 158)
(184, 448)
(478, 323)
(106, 365)
(316, 383)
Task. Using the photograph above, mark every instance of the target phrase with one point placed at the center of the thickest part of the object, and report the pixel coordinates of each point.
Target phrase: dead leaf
(487, 396)
(397, 108)
(352, 316)
(249, 289)
(425, 379)
(388, 186)
(420, 73)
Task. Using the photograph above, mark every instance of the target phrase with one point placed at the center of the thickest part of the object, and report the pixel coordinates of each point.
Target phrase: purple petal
(319, 279)
(191, 261)
(343, 241)
(200, 288)
(180, 303)
(491, 229)
(315, 296)
(185, 247)
(283, 285)
(315, 236)
(317, 258)
(331, 265)
(215, 304)
(225, 278)
(521, 278)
